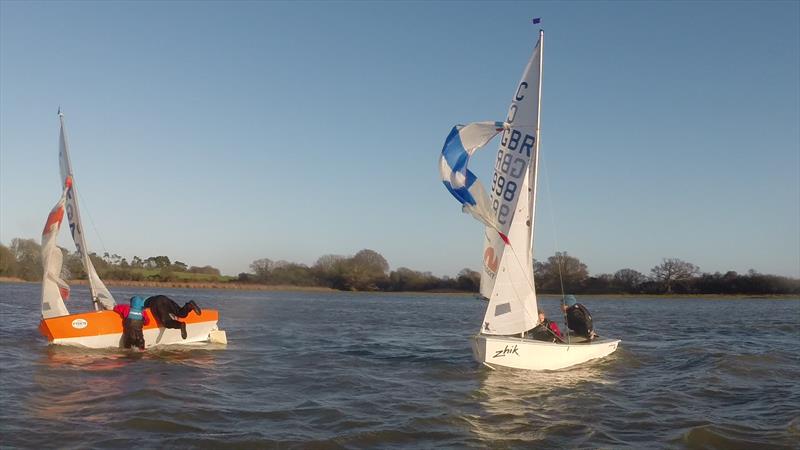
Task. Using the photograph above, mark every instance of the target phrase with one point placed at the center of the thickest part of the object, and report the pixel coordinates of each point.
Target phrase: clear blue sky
(219, 133)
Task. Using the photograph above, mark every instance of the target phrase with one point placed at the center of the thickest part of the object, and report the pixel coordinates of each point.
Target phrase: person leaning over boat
(545, 330)
(166, 311)
(579, 319)
(133, 319)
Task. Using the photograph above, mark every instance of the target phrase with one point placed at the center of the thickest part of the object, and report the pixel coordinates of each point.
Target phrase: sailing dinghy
(508, 212)
(101, 328)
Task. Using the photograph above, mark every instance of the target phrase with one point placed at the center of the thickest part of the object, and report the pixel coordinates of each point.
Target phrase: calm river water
(339, 370)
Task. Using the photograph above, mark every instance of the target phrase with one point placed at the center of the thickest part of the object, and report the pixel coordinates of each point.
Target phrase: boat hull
(528, 354)
(103, 329)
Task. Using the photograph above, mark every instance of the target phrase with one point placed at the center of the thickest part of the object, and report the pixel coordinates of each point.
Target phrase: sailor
(545, 330)
(579, 319)
(166, 311)
(133, 319)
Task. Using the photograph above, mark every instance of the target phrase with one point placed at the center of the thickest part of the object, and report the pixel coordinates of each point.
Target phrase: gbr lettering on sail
(513, 157)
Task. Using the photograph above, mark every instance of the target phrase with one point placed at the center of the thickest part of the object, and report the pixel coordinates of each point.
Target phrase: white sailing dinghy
(508, 212)
(101, 328)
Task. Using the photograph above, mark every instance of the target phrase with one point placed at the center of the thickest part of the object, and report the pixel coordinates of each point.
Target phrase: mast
(535, 172)
(73, 215)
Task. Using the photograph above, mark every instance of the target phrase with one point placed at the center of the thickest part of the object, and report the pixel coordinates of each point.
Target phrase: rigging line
(527, 279)
(97, 233)
(555, 241)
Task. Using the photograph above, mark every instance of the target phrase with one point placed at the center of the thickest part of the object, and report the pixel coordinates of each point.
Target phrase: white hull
(195, 332)
(528, 354)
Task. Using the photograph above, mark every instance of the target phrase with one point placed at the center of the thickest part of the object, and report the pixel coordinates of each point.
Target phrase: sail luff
(101, 297)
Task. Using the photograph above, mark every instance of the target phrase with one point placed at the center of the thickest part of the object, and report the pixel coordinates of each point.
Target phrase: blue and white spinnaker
(460, 145)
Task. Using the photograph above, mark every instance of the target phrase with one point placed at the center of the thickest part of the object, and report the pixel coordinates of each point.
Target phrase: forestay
(100, 294)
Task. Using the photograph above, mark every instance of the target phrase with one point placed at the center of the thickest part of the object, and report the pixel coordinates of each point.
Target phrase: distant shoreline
(267, 287)
(188, 285)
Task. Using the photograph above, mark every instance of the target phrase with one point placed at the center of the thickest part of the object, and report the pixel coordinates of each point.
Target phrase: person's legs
(184, 310)
(172, 323)
(128, 337)
(138, 335)
(163, 308)
(187, 308)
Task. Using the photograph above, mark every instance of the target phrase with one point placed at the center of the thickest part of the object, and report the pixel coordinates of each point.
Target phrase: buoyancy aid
(137, 305)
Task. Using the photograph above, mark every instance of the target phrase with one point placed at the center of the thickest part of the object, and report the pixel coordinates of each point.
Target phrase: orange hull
(103, 329)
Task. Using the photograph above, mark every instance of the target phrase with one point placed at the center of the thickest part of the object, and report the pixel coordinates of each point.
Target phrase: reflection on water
(524, 383)
(86, 359)
(521, 405)
(72, 381)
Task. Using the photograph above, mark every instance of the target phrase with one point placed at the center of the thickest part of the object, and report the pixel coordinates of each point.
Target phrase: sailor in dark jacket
(166, 311)
(579, 319)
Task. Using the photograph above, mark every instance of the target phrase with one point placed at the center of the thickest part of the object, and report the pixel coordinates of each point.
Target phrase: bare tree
(469, 280)
(27, 252)
(262, 268)
(628, 279)
(8, 263)
(561, 266)
(366, 269)
(672, 271)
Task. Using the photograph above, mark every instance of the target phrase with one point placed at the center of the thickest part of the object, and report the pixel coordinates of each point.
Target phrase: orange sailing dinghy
(101, 328)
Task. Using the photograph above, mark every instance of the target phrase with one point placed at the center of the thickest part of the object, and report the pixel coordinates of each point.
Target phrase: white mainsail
(101, 297)
(507, 275)
(54, 289)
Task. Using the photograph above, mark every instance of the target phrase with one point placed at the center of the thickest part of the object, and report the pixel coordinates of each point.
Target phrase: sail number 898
(501, 187)
(505, 189)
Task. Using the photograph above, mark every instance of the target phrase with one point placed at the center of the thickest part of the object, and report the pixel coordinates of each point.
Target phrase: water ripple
(338, 370)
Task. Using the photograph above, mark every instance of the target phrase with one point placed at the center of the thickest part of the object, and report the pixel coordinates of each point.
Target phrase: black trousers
(132, 334)
(163, 308)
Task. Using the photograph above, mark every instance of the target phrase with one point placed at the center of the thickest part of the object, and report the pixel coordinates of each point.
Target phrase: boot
(183, 330)
(196, 308)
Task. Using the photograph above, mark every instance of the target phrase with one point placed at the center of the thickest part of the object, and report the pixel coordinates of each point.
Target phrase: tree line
(22, 259)
(670, 276)
(368, 270)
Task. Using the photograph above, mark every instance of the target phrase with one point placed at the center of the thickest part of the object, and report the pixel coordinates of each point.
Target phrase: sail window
(501, 309)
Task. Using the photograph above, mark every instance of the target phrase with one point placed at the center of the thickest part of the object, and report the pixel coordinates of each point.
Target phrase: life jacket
(137, 305)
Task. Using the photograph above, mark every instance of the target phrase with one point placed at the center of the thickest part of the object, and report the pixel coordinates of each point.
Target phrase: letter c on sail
(490, 260)
(520, 95)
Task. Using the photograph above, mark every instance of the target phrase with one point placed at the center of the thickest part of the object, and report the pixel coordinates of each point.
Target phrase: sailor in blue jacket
(132, 329)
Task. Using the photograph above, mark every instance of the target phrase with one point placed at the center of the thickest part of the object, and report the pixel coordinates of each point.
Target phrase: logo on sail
(506, 351)
(490, 260)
